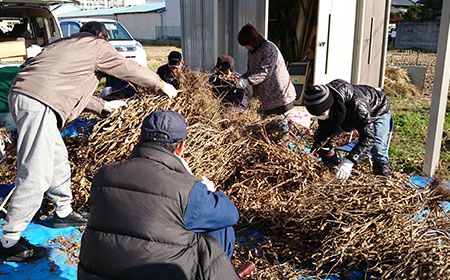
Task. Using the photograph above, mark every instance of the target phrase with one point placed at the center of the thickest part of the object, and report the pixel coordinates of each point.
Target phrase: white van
(25, 23)
(119, 37)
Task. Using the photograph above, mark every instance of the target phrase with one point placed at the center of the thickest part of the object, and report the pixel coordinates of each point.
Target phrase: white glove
(209, 185)
(344, 169)
(168, 89)
(111, 106)
(242, 83)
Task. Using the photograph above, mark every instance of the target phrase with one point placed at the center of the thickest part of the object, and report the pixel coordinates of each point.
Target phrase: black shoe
(73, 220)
(381, 169)
(23, 251)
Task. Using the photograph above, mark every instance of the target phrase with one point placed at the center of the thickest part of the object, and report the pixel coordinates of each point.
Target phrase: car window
(12, 27)
(54, 32)
(69, 28)
(64, 29)
(116, 31)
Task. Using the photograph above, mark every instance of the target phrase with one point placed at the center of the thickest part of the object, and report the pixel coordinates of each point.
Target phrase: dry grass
(397, 83)
(157, 55)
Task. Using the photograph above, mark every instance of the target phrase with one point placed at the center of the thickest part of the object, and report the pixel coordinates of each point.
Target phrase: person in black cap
(151, 218)
(168, 72)
(341, 106)
(223, 81)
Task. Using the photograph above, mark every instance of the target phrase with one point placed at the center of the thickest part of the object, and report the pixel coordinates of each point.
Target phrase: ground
(157, 55)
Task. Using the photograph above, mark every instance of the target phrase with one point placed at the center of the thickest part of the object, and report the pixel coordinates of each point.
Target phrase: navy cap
(168, 122)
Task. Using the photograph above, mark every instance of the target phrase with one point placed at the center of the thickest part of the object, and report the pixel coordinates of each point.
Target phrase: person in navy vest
(150, 218)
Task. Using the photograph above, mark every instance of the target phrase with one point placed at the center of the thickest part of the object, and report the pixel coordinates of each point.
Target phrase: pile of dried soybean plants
(386, 229)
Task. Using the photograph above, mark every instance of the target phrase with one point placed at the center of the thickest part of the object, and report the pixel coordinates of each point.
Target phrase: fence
(168, 32)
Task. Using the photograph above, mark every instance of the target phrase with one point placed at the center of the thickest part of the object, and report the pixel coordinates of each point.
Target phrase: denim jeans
(380, 148)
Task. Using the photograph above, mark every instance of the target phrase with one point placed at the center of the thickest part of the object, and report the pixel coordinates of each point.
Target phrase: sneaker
(381, 169)
(73, 220)
(23, 251)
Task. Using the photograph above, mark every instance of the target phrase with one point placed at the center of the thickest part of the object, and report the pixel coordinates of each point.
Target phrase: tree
(412, 13)
(430, 9)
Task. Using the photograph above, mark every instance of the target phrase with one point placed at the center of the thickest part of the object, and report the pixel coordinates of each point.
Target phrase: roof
(403, 3)
(153, 7)
(84, 20)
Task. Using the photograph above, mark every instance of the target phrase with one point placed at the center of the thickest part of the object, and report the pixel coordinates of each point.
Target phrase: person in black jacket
(150, 218)
(341, 106)
(168, 72)
(223, 81)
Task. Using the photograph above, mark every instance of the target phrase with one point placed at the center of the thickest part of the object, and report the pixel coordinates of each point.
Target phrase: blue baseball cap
(168, 122)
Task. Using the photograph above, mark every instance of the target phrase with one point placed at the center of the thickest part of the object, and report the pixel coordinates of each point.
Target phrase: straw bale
(397, 83)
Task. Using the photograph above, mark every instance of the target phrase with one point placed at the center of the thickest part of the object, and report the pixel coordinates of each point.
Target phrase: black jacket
(136, 228)
(167, 76)
(354, 107)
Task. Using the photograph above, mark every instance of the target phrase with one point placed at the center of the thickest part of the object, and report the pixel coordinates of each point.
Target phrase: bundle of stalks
(369, 224)
(397, 82)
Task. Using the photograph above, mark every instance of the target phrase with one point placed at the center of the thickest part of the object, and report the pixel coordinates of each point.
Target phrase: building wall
(172, 16)
(417, 34)
(141, 26)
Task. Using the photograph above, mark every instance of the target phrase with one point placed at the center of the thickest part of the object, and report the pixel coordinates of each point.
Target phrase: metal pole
(439, 95)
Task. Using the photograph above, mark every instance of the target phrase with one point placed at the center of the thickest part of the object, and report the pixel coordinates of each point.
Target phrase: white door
(334, 40)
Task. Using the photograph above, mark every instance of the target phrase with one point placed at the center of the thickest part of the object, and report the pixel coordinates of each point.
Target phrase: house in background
(155, 20)
(401, 5)
(344, 39)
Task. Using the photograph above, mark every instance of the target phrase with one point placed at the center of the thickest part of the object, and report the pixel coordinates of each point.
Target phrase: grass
(157, 55)
(407, 148)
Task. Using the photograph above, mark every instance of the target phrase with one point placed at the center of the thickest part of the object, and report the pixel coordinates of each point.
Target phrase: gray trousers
(42, 163)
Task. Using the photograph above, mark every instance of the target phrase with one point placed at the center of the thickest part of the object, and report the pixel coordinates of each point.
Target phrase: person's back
(65, 81)
(136, 228)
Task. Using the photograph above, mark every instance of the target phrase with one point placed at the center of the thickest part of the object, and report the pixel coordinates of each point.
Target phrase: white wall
(141, 26)
(172, 16)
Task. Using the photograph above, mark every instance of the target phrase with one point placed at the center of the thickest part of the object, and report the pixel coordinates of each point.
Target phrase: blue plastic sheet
(80, 126)
(56, 266)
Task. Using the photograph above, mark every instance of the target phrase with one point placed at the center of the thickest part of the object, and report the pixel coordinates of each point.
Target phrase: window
(116, 31)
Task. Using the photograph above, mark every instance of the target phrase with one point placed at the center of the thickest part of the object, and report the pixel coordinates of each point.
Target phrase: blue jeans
(380, 148)
(226, 238)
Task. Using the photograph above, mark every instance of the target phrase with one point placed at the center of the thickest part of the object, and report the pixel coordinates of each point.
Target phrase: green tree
(430, 9)
(412, 13)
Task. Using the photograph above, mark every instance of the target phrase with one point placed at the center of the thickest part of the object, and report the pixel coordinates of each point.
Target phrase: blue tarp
(61, 266)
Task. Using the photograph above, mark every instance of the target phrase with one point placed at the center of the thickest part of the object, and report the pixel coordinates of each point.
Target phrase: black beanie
(318, 99)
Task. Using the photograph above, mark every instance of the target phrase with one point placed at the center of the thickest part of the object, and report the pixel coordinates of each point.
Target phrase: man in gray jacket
(52, 89)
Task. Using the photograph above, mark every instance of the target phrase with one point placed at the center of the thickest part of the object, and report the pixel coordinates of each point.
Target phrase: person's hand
(111, 106)
(209, 185)
(242, 83)
(344, 169)
(168, 89)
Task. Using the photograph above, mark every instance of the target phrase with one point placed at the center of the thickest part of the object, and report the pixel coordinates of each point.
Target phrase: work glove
(209, 185)
(111, 106)
(242, 83)
(344, 169)
(168, 89)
